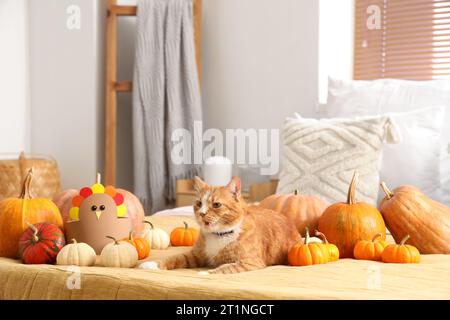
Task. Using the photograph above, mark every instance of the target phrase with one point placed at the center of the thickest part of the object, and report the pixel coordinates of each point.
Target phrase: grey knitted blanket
(166, 97)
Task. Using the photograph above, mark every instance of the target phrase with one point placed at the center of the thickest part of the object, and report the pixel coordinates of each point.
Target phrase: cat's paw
(152, 265)
(203, 273)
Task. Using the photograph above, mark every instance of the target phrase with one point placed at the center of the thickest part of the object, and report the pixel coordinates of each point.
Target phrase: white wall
(260, 64)
(14, 86)
(336, 29)
(260, 61)
(66, 69)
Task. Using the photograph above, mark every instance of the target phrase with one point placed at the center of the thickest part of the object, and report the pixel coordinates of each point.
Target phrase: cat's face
(218, 209)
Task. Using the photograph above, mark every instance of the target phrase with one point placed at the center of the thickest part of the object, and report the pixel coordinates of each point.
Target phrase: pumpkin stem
(404, 240)
(112, 238)
(321, 235)
(352, 189)
(376, 236)
(74, 241)
(25, 192)
(35, 232)
(99, 177)
(130, 235)
(185, 224)
(151, 224)
(389, 193)
(307, 235)
(296, 192)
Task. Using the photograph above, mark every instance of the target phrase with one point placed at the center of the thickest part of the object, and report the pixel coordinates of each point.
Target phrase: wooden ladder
(114, 86)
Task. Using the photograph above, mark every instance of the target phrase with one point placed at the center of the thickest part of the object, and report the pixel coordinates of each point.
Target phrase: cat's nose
(202, 213)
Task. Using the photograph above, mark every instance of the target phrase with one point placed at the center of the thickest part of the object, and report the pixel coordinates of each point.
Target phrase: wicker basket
(46, 182)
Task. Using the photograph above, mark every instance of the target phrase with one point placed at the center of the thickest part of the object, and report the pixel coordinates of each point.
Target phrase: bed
(344, 279)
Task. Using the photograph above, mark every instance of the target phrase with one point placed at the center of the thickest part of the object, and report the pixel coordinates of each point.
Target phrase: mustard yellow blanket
(344, 279)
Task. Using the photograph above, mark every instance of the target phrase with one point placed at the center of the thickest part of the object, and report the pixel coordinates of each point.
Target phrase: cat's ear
(199, 184)
(234, 186)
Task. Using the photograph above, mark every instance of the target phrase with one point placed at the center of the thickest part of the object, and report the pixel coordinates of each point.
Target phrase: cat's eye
(198, 203)
(217, 205)
(93, 208)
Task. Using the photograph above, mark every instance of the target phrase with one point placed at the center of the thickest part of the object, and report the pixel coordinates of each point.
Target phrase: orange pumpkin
(135, 211)
(303, 210)
(370, 250)
(183, 236)
(401, 253)
(308, 254)
(142, 246)
(407, 210)
(333, 250)
(15, 213)
(346, 223)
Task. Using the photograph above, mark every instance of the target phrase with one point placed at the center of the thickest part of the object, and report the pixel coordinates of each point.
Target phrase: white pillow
(370, 97)
(445, 175)
(320, 156)
(415, 160)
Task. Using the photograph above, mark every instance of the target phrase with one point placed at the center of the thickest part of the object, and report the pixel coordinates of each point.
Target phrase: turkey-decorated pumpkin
(303, 210)
(135, 211)
(41, 243)
(15, 212)
(97, 212)
(348, 222)
(407, 210)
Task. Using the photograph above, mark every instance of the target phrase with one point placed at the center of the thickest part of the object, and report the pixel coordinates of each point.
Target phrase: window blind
(403, 39)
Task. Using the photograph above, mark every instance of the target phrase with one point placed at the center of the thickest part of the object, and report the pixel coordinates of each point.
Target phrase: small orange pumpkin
(309, 253)
(183, 236)
(142, 246)
(333, 250)
(401, 253)
(370, 250)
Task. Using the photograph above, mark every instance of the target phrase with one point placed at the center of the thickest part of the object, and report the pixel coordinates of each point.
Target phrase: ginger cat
(234, 237)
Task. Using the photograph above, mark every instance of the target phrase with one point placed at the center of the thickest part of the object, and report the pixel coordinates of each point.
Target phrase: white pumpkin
(78, 254)
(156, 237)
(119, 254)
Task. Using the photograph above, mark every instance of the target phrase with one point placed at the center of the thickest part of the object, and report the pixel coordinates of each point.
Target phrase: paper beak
(98, 214)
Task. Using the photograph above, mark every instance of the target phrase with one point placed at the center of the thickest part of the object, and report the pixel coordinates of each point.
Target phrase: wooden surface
(113, 85)
(123, 86)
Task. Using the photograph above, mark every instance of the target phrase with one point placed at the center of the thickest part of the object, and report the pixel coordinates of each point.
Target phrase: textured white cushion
(416, 160)
(362, 98)
(320, 156)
